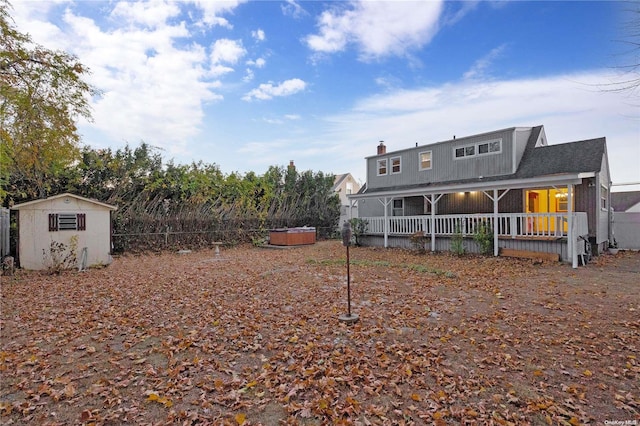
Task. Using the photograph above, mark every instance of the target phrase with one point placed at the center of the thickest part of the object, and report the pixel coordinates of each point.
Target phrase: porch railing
(550, 225)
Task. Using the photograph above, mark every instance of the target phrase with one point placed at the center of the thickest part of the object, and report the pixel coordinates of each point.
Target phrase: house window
(489, 147)
(482, 148)
(382, 167)
(398, 207)
(349, 188)
(425, 160)
(67, 222)
(465, 151)
(604, 195)
(395, 165)
(562, 204)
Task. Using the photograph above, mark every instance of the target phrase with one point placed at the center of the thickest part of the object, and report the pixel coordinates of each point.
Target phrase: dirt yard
(252, 337)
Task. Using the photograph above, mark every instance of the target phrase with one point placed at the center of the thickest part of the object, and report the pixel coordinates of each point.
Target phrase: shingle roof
(573, 157)
(338, 180)
(622, 201)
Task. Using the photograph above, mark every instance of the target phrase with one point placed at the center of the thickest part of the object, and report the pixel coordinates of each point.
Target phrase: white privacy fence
(508, 224)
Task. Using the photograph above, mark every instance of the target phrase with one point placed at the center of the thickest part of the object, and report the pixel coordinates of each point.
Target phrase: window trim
(430, 160)
(391, 160)
(386, 168)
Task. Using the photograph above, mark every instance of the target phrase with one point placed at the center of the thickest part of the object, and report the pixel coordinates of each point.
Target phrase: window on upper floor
(382, 167)
(465, 151)
(481, 148)
(604, 195)
(395, 165)
(425, 160)
(349, 188)
(489, 147)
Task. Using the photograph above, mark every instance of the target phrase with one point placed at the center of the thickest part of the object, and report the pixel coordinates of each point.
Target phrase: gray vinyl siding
(370, 207)
(414, 206)
(445, 167)
(478, 202)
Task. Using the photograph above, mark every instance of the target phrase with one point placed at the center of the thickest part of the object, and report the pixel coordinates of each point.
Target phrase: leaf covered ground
(252, 337)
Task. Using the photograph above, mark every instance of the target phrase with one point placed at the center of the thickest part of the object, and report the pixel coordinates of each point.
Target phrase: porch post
(386, 223)
(571, 237)
(433, 223)
(433, 201)
(495, 223)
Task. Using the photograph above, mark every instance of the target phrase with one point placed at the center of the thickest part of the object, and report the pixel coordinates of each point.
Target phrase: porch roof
(477, 184)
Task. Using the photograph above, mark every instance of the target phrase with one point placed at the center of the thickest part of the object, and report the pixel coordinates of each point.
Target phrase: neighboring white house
(344, 185)
(67, 223)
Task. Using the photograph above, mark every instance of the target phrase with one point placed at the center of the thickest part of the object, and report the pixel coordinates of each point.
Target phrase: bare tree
(629, 80)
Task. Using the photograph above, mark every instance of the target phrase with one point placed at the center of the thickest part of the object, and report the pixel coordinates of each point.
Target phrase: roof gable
(66, 194)
(338, 180)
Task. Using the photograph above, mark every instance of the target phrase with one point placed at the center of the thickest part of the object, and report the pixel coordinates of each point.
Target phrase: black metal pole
(348, 285)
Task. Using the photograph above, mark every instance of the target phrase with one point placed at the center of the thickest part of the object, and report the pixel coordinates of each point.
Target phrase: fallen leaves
(253, 338)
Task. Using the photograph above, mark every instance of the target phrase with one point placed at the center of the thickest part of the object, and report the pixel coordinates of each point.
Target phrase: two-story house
(344, 185)
(535, 196)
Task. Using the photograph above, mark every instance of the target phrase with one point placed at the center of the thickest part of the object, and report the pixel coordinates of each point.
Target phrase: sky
(248, 85)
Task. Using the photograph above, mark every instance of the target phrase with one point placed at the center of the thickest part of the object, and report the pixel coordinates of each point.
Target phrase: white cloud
(153, 88)
(376, 28)
(571, 107)
(292, 116)
(152, 13)
(249, 75)
(211, 11)
(480, 67)
(293, 9)
(460, 10)
(268, 90)
(227, 51)
(258, 63)
(258, 35)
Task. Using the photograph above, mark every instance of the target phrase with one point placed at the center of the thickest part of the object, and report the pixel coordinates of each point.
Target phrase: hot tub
(292, 236)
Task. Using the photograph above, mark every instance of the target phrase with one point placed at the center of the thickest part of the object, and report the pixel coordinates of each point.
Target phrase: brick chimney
(382, 149)
(291, 165)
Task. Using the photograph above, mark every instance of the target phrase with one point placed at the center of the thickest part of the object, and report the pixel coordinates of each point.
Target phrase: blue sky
(246, 85)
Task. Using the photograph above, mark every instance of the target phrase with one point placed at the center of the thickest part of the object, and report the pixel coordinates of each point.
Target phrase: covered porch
(546, 231)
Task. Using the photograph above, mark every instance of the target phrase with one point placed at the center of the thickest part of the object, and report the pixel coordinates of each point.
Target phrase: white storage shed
(64, 227)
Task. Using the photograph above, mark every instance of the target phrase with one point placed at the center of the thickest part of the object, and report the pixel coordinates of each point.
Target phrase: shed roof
(66, 194)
